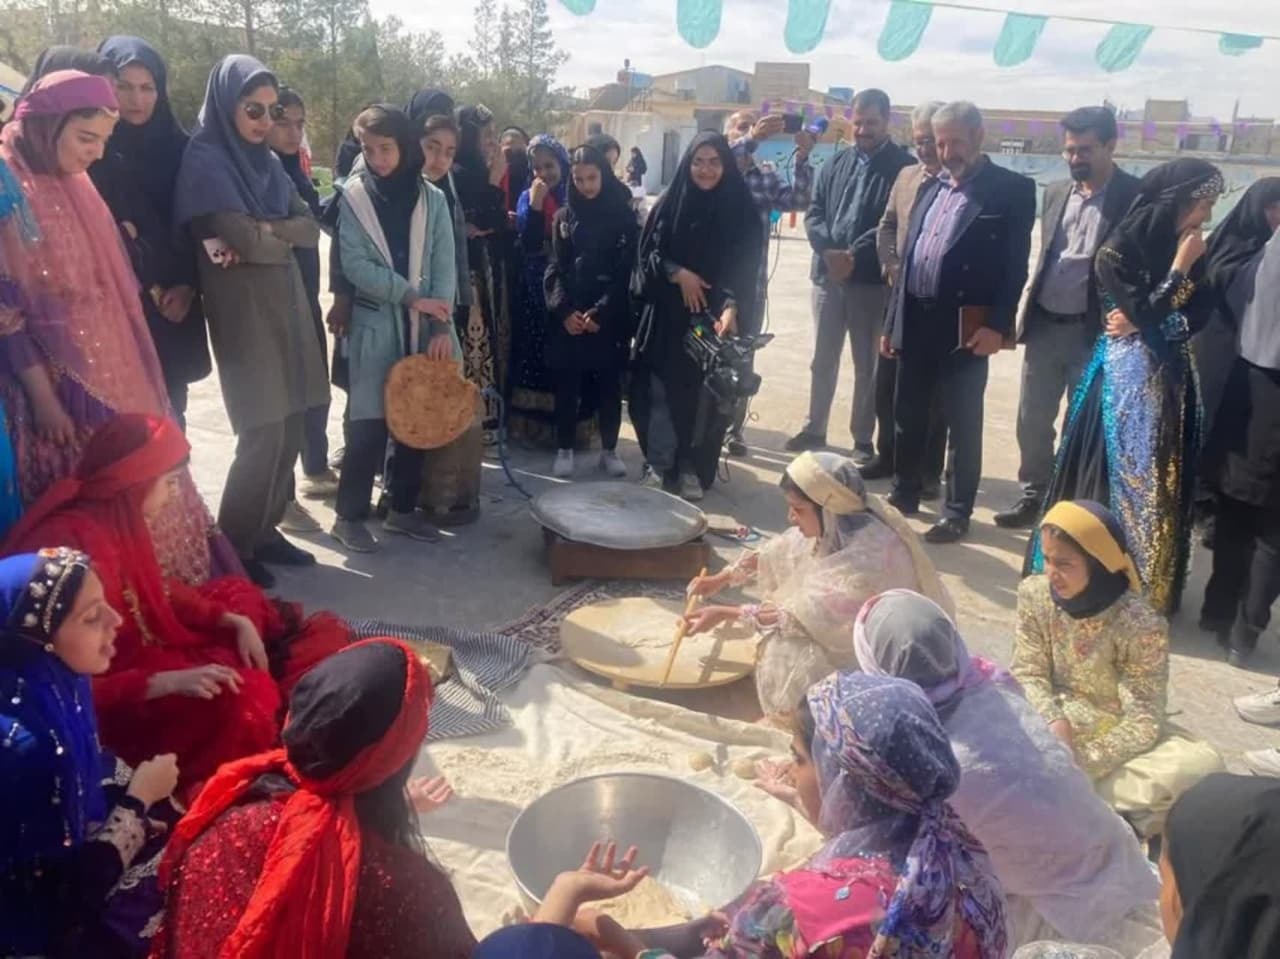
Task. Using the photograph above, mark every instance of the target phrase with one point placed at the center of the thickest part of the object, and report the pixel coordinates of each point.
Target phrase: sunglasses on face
(256, 111)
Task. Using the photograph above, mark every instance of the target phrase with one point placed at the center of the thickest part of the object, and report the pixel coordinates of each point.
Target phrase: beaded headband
(47, 598)
(1212, 187)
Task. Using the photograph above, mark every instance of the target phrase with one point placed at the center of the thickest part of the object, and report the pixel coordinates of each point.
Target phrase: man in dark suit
(1061, 316)
(849, 292)
(955, 304)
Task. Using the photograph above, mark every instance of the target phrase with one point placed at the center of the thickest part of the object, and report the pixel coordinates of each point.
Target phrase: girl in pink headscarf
(74, 345)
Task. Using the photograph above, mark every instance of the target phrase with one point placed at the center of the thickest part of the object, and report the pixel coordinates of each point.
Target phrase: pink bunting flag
(831, 112)
(1183, 130)
(848, 113)
(1149, 130)
(764, 108)
(1007, 127)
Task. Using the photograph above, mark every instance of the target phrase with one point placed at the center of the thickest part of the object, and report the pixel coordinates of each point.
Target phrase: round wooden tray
(626, 641)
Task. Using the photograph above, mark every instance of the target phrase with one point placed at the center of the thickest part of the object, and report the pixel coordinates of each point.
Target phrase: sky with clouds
(953, 61)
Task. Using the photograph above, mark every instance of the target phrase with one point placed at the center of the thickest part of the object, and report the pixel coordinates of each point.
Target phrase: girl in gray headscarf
(844, 546)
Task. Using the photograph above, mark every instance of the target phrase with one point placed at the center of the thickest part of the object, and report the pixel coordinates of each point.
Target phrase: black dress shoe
(903, 504)
(947, 530)
(878, 468)
(804, 442)
(261, 576)
(283, 553)
(930, 492)
(1022, 515)
(736, 445)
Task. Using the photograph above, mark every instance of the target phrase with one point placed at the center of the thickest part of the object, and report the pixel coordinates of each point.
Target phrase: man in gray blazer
(1061, 316)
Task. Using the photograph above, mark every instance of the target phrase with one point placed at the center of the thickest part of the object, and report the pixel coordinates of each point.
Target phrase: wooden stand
(571, 560)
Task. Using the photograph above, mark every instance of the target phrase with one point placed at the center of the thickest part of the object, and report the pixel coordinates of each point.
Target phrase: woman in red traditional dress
(313, 849)
(199, 671)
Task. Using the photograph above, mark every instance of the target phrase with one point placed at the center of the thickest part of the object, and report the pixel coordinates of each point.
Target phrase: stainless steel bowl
(699, 845)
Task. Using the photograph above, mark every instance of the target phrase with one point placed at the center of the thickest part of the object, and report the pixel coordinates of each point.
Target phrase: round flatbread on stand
(428, 403)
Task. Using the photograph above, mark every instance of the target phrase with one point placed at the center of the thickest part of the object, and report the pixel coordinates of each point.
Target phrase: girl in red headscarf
(313, 850)
(199, 671)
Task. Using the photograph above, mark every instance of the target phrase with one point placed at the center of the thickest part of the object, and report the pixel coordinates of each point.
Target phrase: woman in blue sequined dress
(1133, 429)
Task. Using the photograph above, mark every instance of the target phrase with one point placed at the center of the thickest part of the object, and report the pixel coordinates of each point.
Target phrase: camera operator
(699, 258)
(770, 192)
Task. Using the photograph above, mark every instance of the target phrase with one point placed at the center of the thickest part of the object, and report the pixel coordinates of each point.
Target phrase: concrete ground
(492, 571)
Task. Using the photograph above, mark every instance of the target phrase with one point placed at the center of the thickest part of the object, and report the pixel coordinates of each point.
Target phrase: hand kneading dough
(648, 905)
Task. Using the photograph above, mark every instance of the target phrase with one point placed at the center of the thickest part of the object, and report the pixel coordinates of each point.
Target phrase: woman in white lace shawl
(844, 546)
(1059, 850)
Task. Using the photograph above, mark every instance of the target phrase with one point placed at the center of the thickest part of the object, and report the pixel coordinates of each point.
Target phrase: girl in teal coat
(397, 250)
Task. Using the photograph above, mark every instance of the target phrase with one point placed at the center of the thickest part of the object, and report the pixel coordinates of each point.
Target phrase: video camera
(725, 362)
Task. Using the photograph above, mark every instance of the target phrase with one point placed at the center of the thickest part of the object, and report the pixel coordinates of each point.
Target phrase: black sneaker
(904, 505)
(947, 530)
(863, 455)
(261, 576)
(736, 445)
(877, 468)
(804, 442)
(1021, 515)
(280, 552)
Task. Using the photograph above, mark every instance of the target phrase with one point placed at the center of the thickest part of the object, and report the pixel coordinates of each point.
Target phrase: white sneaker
(650, 478)
(611, 464)
(1261, 708)
(690, 488)
(563, 466)
(1263, 762)
(297, 520)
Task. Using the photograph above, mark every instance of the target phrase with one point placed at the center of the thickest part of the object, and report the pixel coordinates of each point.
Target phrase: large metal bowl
(694, 842)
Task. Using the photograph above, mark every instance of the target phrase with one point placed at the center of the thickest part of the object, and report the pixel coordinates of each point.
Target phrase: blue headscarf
(221, 172)
(885, 770)
(545, 141)
(536, 940)
(50, 761)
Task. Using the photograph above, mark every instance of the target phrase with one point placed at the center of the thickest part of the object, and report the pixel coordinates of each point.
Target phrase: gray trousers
(259, 483)
(1056, 353)
(855, 310)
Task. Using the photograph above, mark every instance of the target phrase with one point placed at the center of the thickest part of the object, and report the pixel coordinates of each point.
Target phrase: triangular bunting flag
(806, 22)
(1018, 39)
(698, 21)
(903, 29)
(1121, 46)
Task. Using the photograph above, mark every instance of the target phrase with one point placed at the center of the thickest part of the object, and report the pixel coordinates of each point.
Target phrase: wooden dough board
(626, 641)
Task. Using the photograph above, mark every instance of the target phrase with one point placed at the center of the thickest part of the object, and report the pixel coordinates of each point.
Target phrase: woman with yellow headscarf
(844, 546)
(1092, 655)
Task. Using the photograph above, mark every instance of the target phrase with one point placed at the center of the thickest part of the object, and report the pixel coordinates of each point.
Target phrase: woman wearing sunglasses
(236, 198)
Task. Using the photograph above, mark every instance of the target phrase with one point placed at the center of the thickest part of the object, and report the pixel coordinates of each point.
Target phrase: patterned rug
(486, 663)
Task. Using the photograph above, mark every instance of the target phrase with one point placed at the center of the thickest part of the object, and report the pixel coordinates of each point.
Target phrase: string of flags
(698, 23)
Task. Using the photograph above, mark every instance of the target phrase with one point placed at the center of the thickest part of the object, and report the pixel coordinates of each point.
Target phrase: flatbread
(428, 404)
(628, 640)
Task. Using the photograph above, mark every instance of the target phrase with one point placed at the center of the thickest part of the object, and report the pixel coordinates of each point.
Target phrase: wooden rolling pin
(681, 629)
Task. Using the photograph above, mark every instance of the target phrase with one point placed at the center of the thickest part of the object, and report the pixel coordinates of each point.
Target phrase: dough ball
(700, 761)
(744, 768)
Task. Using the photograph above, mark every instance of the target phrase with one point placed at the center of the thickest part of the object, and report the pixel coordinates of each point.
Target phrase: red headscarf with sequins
(120, 465)
(305, 895)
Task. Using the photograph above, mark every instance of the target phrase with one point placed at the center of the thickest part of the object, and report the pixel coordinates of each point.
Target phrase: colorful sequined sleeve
(1033, 650)
(1172, 310)
(1142, 667)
